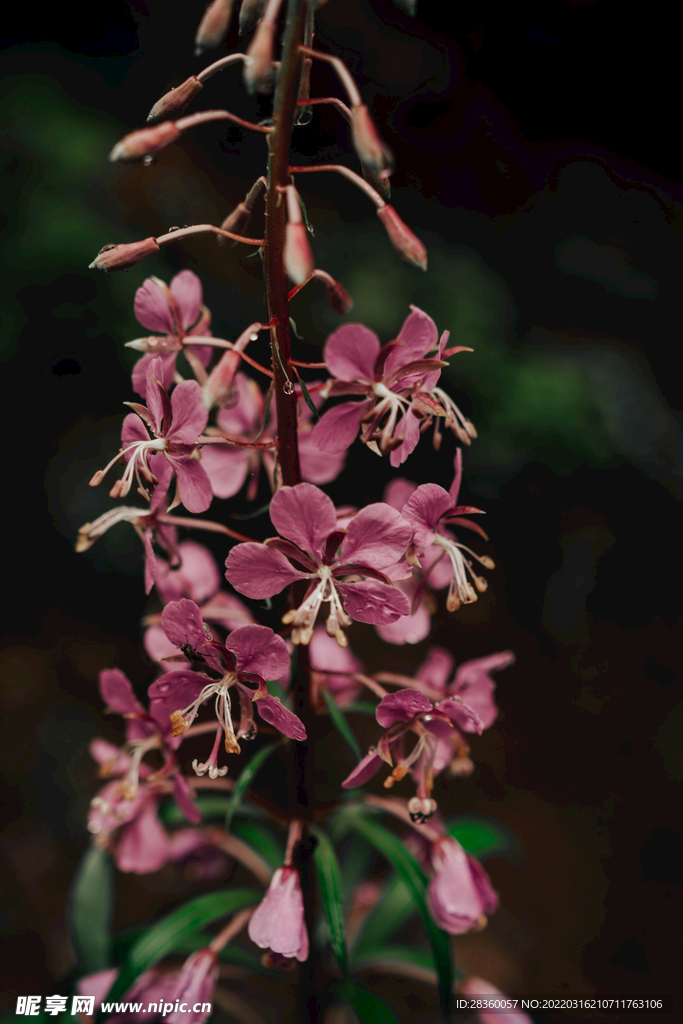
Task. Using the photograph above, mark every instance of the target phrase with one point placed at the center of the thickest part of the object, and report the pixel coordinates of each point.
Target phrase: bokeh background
(534, 158)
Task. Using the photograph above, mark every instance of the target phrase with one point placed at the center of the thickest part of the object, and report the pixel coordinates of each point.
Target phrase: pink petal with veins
(259, 651)
(154, 398)
(197, 576)
(182, 622)
(409, 429)
(139, 372)
(338, 428)
(418, 335)
(473, 683)
(378, 536)
(435, 669)
(273, 711)
(189, 415)
(462, 714)
(401, 707)
(133, 429)
(194, 487)
(303, 514)
(152, 309)
(278, 921)
(409, 629)
(258, 571)
(398, 491)
(245, 412)
(117, 693)
(424, 510)
(350, 353)
(144, 845)
(186, 289)
(226, 468)
(373, 601)
(318, 467)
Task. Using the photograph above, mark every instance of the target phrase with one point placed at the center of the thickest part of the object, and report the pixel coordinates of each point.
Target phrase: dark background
(534, 158)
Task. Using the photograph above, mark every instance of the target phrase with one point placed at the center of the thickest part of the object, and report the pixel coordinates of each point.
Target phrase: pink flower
(328, 658)
(228, 468)
(176, 423)
(398, 383)
(472, 681)
(154, 986)
(278, 922)
(194, 986)
(375, 539)
(410, 710)
(459, 895)
(250, 654)
(178, 314)
(428, 509)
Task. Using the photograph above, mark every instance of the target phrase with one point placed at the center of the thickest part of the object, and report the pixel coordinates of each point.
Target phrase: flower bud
(175, 100)
(236, 222)
(213, 27)
(337, 295)
(298, 256)
(406, 244)
(372, 151)
(250, 12)
(145, 142)
(258, 68)
(122, 255)
(219, 385)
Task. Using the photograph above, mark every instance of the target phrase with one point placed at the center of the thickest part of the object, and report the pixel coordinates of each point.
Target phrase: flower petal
(409, 429)
(401, 707)
(363, 771)
(462, 714)
(350, 353)
(473, 683)
(378, 536)
(182, 622)
(139, 372)
(418, 334)
(373, 601)
(435, 669)
(117, 693)
(186, 289)
(318, 467)
(151, 306)
(183, 798)
(303, 514)
(226, 468)
(194, 487)
(189, 415)
(258, 571)
(424, 510)
(259, 651)
(272, 710)
(338, 428)
(144, 845)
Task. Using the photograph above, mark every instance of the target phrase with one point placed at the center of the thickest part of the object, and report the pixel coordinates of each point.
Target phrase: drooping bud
(145, 142)
(407, 245)
(372, 151)
(298, 256)
(250, 12)
(236, 222)
(175, 100)
(122, 255)
(337, 295)
(214, 26)
(220, 382)
(258, 68)
(379, 183)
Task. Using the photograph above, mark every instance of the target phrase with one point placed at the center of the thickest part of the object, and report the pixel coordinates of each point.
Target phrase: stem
(348, 173)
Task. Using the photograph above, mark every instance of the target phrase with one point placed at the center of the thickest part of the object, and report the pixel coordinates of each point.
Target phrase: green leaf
(340, 723)
(266, 412)
(368, 1007)
(91, 905)
(482, 837)
(362, 707)
(163, 937)
(261, 838)
(259, 511)
(403, 956)
(391, 847)
(329, 880)
(392, 910)
(245, 779)
(304, 390)
(276, 690)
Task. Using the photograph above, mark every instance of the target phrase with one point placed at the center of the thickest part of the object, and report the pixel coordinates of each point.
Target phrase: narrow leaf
(329, 880)
(483, 837)
(362, 707)
(392, 910)
(259, 511)
(340, 723)
(406, 960)
(367, 1006)
(260, 837)
(269, 398)
(186, 920)
(304, 390)
(245, 779)
(92, 900)
(391, 847)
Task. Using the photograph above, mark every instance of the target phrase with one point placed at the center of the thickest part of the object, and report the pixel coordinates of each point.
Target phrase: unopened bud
(258, 67)
(250, 12)
(122, 255)
(145, 142)
(219, 385)
(380, 183)
(214, 26)
(236, 222)
(175, 100)
(337, 295)
(406, 244)
(298, 256)
(372, 151)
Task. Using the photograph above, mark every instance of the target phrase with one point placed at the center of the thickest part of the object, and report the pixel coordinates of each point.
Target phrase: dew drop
(288, 387)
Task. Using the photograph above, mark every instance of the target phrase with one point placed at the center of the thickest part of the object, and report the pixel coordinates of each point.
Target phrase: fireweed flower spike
(410, 710)
(176, 424)
(374, 540)
(250, 654)
(278, 922)
(394, 381)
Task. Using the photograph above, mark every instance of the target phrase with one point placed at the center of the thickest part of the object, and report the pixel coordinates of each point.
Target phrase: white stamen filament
(460, 590)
